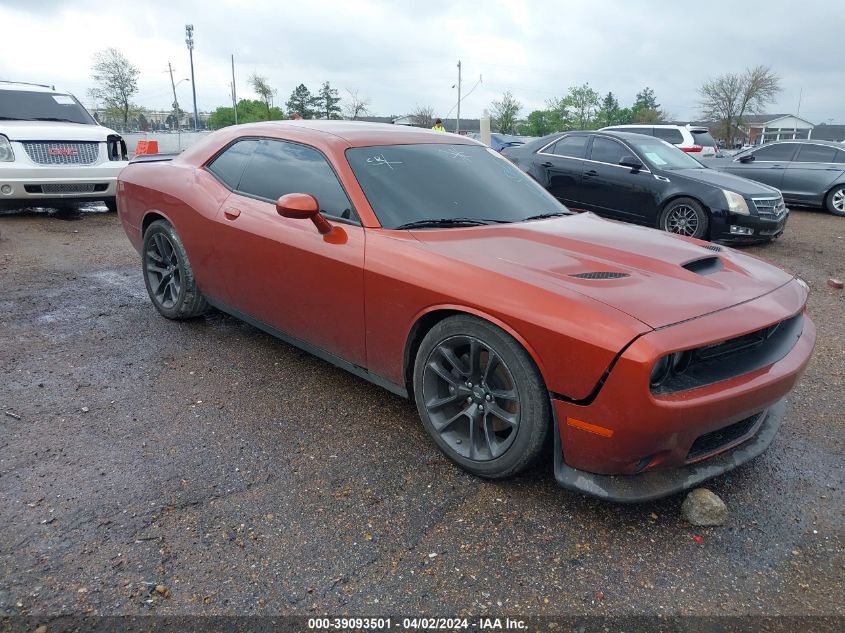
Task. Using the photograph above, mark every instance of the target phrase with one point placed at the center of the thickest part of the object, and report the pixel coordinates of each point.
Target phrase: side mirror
(303, 206)
(631, 161)
(747, 158)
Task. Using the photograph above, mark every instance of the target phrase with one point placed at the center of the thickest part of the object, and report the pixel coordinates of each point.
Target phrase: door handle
(592, 172)
(547, 164)
(231, 213)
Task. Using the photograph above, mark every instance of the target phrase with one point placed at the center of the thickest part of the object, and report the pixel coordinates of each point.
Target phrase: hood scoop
(600, 274)
(704, 265)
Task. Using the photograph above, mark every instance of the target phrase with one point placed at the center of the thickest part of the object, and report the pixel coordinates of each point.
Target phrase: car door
(614, 190)
(768, 165)
(558, 167)
(282, 271)
(811, 173)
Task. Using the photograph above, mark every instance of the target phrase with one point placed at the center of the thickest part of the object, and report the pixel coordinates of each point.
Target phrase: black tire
(835, 201)
(496, 426)
(111, 205)
(168, 275)
(685, 216)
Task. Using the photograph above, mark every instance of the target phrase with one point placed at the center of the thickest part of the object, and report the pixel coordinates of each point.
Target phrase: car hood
(723, 180)
(53, 131)
(655, 288)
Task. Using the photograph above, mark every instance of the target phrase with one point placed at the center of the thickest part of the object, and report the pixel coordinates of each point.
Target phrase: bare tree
(505, 113)
(264, 90)
(423, 116)
(116, 80)
(729, 97)
(356, 105)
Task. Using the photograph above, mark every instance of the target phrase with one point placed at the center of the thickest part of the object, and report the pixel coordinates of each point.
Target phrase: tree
(583, 101)
(249, 111)
(505, 113)
(560, 116)
(355, 105)
(301, 101)
(608, 113)
(327, 101)
(422, 116)
(729, 97)
(143, 123)
(538, 123)
(116, 82)
(264, 90)
(645, 108)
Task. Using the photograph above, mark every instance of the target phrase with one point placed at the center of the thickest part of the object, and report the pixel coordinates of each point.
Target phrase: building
(762, 128)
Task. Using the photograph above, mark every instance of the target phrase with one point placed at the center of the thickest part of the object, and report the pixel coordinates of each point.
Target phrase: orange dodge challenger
(428, 264)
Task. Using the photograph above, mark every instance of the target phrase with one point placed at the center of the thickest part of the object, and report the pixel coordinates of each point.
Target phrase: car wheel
(481, 397)
(168, 274)
(835, 200)
(687, 217)
(111, 205)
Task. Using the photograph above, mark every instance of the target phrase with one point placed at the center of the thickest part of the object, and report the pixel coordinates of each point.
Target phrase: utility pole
(234, 94)
(189, 40)
(175, 100)
(458, 124)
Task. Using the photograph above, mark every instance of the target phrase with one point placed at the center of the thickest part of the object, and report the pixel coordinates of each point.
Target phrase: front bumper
(26, 185)
(761, 228)
(649, 441)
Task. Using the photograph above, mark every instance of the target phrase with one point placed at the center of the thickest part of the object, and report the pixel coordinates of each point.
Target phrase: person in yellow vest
(438, 126)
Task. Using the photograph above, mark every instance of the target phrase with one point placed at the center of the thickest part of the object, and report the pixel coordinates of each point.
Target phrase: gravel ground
(248, 477)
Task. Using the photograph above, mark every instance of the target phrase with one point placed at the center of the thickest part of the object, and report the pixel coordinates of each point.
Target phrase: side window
(812, 153)
(637, 130)
(775, 153)
(670, 135)
(840, 157)
(279, 167)
(570, 146)
(229, 166)
(606, 150)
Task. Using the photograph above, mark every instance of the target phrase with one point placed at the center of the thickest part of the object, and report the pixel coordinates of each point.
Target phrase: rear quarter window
(229, 165)
(670, 135)
(703, 138)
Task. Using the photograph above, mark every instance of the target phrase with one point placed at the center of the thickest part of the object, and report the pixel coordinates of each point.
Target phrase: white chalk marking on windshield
(381, 160)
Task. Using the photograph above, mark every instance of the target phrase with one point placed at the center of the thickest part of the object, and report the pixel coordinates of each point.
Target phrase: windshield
(433, 181)
(25, 105)
(662, 155)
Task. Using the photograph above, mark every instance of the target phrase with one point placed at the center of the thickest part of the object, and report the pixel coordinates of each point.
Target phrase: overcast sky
(402, 53)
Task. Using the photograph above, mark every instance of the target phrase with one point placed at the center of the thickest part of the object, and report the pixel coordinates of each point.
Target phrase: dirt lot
(250, 478)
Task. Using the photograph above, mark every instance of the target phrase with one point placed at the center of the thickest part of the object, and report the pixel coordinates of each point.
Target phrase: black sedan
(809, 173)
(645, 180)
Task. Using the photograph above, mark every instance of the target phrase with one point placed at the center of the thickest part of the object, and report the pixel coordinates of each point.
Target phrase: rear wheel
(835, 201)
(111, 205)
(685, 216)
(481, 397)
(168, 274)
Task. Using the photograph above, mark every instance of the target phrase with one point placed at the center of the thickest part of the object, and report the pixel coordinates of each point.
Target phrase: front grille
(770, 207)
(71, 187)
(57, 153)
(600, 274)
(734, 357)
(720, 439)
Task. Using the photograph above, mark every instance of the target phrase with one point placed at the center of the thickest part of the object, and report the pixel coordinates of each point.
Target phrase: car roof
(802, 141)
(21, 85)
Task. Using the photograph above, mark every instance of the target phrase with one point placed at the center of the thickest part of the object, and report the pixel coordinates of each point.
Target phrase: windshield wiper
(418, 224)
(543, 216)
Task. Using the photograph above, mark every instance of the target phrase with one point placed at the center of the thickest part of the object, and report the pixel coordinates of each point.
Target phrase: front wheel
(835, 201)
(685, 216)
(481, 397)
(168, 274)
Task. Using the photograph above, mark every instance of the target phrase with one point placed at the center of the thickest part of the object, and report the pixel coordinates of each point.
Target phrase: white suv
(52, 151)
(689, 138)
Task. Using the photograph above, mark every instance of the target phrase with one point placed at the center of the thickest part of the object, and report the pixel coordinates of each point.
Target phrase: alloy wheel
(471, 398)
(838, 200)
(162, 270)
(682, 220)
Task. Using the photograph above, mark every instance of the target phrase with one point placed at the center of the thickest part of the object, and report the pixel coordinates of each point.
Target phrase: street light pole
(189, 40)
(234, 94)
(458, 124)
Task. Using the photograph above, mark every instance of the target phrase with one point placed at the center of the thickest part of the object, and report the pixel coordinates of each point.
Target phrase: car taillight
(693, 149)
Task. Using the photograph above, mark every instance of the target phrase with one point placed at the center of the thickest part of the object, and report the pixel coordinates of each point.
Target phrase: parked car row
(648, 181)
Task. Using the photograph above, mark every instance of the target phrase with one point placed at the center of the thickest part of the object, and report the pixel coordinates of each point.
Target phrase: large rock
(702, 507)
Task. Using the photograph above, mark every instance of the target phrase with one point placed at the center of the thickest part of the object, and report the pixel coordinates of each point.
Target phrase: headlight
(660, 371)
(6, 153)
(736, 203)
(670, 365)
